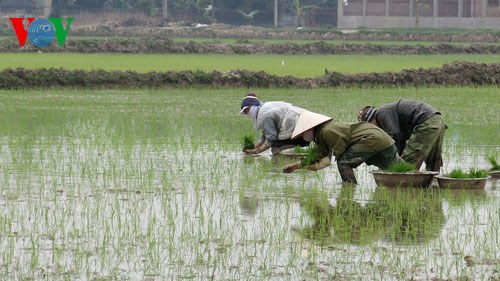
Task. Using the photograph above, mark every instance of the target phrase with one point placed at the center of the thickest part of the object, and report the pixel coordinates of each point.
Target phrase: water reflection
(271, 162)
(248, 203)
(459, 197)
(394, 215)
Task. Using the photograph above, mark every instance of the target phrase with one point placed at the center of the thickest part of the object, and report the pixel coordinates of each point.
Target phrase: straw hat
(308, 120)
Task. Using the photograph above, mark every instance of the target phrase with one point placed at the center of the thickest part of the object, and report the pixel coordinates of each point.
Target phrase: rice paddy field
(294, 65)
(152, 185)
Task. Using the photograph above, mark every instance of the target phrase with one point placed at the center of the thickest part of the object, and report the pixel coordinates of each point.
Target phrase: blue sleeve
(270, 131)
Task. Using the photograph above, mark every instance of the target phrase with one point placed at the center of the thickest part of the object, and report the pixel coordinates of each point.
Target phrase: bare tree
(417, 14)
(298, 11)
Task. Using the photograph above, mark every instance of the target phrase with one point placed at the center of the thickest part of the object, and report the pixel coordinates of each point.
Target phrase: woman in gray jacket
(276, 119)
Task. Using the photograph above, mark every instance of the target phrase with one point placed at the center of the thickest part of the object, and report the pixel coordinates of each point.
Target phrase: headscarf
(249, 100)
(366, 114)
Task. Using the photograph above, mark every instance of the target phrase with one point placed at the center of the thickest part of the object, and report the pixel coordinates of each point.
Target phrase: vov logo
(41, 32)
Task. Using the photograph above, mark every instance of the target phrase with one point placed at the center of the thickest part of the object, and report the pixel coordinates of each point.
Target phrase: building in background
(466, 14)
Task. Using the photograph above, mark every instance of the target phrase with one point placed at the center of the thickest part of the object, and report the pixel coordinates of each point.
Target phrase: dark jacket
(399, 119)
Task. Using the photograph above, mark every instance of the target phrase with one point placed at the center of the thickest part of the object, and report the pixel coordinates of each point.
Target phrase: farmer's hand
(252, 151)
(291, 167)
(258, 149)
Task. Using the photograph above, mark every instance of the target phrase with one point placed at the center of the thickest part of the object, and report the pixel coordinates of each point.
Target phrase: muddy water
(82, 211)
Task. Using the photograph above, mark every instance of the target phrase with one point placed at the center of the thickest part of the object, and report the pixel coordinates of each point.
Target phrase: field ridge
(168, 46)
(458, 74)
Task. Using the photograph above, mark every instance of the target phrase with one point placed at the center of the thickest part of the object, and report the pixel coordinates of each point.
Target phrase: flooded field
(152, 185)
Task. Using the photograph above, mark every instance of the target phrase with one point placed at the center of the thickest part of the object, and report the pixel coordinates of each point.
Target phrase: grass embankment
(458, 74)
(330, 42)
(264, 41)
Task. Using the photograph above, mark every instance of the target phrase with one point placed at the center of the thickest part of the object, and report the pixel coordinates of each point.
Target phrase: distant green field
(283, 65)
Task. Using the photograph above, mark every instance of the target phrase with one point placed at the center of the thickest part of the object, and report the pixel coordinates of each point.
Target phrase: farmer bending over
(276, 119)
(417, 128)
(352, 144)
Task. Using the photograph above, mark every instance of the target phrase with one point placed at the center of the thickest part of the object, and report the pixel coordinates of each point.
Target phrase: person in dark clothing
(416, 127)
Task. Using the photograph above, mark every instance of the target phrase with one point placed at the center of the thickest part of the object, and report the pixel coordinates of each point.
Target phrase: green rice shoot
(472, 173)
(312, 156)
(401, 167)
(494, 163)
(248, 142)
(300, 149)
(478, 173)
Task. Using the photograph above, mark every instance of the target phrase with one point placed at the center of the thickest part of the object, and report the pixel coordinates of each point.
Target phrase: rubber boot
(347, 175)
(275, 150)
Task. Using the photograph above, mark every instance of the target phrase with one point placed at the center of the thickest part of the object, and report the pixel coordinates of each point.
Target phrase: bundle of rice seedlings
(401, 167)
(312, 156)
(248, 142)
(472, 173)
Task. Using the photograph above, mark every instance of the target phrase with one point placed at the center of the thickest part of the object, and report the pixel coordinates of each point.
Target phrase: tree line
(247, 8)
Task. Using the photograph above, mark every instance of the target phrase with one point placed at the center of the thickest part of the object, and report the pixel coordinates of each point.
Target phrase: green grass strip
(282, 65)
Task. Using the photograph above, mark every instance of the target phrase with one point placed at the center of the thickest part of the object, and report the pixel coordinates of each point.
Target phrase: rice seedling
(248, 142)
(477, 173)
(401, 167)
(300, 149)
(495, 166)
(312, 155)
(458, 173)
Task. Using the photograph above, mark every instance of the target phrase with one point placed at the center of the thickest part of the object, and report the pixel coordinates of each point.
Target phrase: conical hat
(308, 120)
